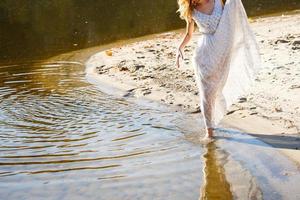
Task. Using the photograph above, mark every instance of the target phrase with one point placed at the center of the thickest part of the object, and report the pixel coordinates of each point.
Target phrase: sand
(145, 68)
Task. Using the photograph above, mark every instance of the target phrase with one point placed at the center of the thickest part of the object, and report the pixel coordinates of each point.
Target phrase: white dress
(226, 58)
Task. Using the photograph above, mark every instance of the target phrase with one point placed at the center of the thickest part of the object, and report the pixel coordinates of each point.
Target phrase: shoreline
(145, 69)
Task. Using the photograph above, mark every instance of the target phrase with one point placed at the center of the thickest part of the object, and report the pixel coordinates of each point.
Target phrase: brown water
(61, 138)
(40, 29)
(215, 184)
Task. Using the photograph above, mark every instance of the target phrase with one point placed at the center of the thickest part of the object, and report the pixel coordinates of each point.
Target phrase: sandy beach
(271, 110)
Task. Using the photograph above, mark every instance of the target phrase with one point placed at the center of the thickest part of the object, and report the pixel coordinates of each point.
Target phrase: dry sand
(271, 110)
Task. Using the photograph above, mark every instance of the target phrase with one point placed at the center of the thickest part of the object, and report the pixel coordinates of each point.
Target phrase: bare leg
(207, 116)
(206, 83)
(207, 107)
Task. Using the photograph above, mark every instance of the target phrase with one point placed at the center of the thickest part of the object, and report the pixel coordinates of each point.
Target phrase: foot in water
(208, 136)
(206, 140)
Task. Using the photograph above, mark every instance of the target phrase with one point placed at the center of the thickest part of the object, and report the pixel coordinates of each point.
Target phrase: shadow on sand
(275, 141)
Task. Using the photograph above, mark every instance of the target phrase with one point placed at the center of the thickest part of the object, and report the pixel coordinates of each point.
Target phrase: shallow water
(62, 138)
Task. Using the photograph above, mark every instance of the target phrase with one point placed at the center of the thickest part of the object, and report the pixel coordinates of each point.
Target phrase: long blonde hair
(184, 9)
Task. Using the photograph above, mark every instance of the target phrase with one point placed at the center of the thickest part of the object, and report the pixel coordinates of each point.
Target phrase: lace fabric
(208, 23)
(226, 59)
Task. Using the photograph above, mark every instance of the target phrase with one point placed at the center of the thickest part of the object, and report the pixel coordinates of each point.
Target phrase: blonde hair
(184, 9)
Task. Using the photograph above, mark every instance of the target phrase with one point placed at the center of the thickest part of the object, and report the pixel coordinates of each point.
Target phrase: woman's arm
(188, 35)
(186, 39)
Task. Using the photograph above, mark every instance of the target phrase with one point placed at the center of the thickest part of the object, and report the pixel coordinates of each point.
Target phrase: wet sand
(146, 69)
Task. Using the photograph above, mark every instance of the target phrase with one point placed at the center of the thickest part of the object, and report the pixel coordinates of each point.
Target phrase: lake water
(62, 138)
(40, 29)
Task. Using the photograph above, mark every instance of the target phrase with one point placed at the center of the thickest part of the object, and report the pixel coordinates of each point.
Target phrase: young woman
(226, 57)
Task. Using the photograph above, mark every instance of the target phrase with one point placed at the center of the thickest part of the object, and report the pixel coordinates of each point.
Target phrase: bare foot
(206, 140)
(208, 136)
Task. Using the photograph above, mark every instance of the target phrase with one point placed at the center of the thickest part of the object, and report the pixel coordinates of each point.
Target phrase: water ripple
(54, 126)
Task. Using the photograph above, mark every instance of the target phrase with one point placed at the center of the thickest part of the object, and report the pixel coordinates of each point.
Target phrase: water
(39, 29)
(62, 138)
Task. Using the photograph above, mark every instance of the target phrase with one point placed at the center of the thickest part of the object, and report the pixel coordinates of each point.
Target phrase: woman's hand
(178, 55)
(189, 32)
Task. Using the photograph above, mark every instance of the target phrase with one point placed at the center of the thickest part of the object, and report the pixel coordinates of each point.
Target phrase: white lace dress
(226, 58)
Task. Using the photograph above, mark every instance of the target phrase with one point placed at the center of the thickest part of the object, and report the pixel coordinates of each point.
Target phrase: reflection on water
(44, 28)
(215, 185)
(61, 138)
